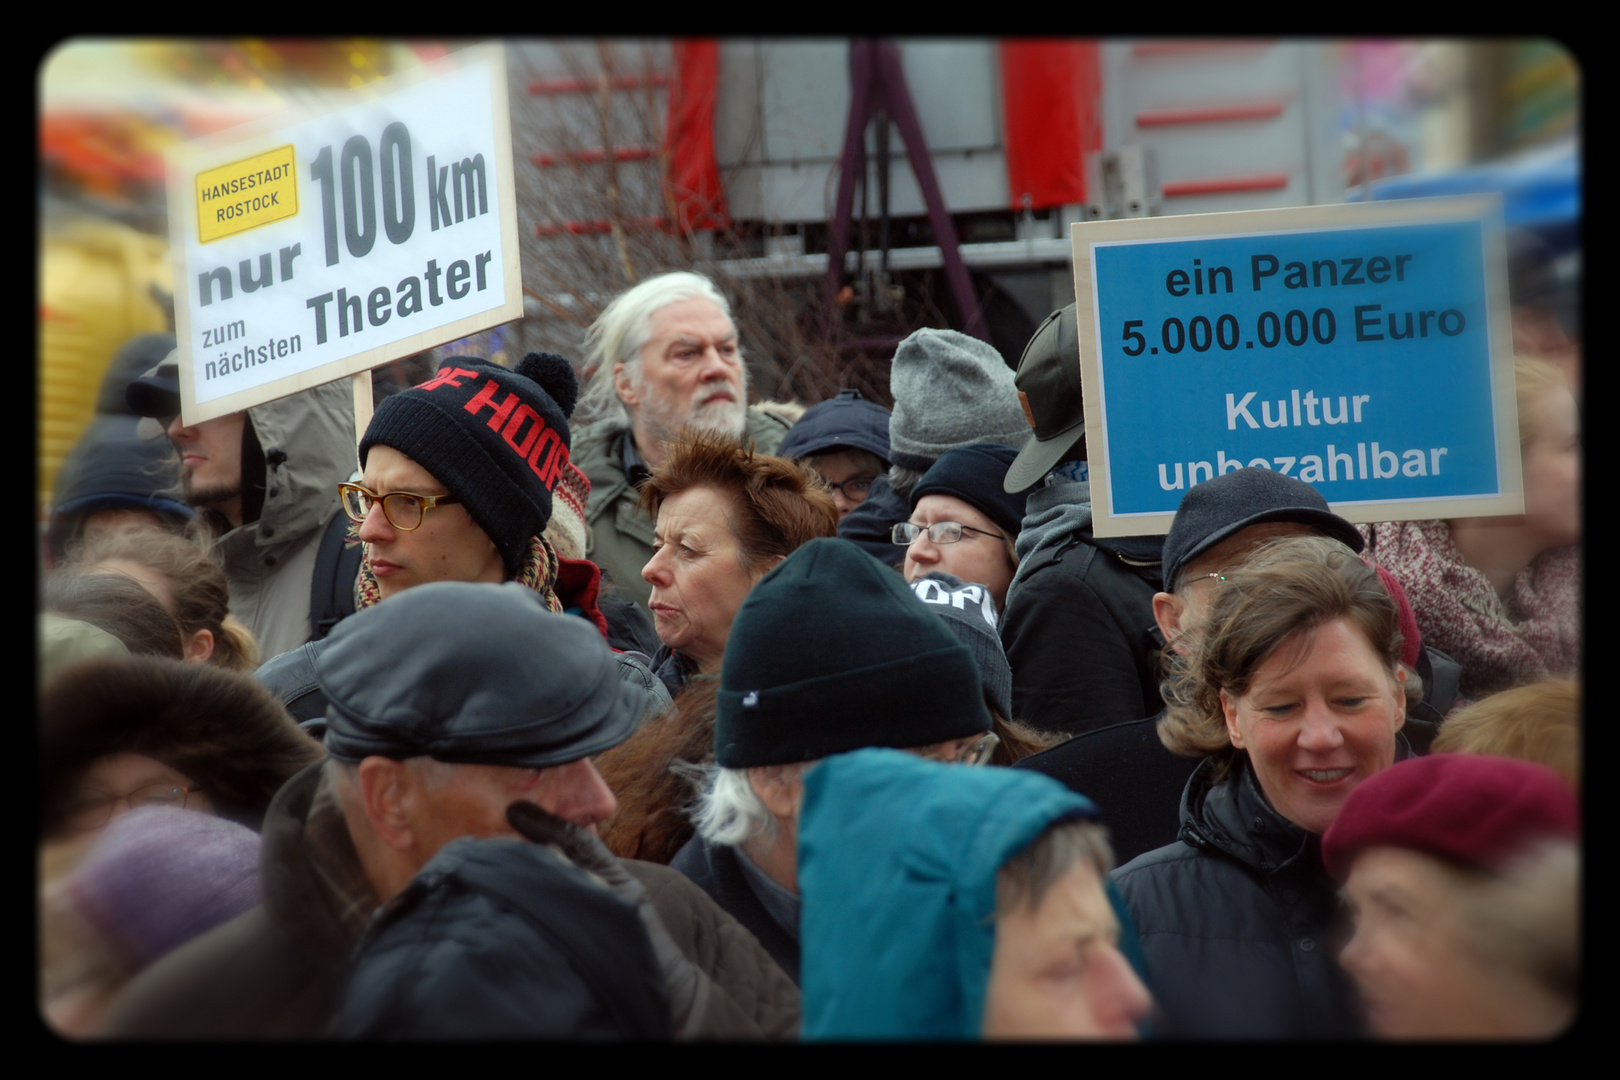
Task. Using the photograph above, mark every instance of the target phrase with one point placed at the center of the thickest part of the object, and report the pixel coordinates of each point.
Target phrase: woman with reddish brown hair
(725, 517)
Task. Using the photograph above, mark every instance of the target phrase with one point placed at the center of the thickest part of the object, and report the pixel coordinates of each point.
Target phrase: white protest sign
(1365, 349)
(312, 245)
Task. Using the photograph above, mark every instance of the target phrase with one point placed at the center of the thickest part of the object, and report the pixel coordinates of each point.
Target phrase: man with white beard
(666, 356)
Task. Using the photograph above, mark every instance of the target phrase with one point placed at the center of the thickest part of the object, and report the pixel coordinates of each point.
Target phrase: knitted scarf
(539, 572)
(1500, 644)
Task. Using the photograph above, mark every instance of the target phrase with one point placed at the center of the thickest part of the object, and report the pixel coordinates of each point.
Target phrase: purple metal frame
(878, 82)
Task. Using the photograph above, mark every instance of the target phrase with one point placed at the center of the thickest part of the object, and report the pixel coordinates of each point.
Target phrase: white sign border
(184, 161)
(1486, 209)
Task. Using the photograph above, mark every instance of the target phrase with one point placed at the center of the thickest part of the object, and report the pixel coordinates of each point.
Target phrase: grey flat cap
(472, 674)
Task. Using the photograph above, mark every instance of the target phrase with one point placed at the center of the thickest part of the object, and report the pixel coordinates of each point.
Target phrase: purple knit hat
(160, 876)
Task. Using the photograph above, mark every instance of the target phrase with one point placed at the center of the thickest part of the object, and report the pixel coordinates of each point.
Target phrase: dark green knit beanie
(831, 652)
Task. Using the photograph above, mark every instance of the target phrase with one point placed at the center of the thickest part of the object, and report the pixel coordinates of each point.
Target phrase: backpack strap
(331, 588)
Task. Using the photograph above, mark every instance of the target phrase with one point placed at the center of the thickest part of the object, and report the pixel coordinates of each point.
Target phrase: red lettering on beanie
(451, 376)
(559, 461)
(552, 441)
(486, 396)
(516, 423)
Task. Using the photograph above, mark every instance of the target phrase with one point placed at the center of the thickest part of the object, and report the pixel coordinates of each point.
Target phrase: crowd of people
(633, 710)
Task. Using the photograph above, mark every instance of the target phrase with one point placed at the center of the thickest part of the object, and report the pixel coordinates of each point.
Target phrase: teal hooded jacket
(897, 871)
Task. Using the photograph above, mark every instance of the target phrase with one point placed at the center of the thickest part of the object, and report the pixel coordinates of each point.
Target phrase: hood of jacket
(111, 467)
(897, 869)
(1055, 513)
(309, 449)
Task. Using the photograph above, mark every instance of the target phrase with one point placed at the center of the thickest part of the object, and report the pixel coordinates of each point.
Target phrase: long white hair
(623, 329)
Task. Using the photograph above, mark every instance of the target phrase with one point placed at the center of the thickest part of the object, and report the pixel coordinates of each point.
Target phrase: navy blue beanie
(841, 423)
(975, 474)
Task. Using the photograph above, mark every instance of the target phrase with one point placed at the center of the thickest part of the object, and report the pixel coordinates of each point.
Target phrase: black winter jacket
(1080, 635)
(504, 939)
(1236, 920)
(1133, 779)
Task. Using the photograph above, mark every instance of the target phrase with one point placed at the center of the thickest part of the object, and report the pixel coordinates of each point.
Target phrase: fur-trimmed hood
(219, 728)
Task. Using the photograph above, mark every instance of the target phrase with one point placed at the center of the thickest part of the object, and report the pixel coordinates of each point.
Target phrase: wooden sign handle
(362, 404)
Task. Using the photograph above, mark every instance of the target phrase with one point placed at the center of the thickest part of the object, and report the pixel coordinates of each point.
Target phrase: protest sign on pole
(320, 243)
(1363, 348)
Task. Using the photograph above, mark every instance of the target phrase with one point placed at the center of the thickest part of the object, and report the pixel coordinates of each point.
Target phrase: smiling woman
(726, 516)
(1292, 694)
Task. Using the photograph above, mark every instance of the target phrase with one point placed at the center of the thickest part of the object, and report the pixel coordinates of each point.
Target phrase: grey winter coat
(309, 449)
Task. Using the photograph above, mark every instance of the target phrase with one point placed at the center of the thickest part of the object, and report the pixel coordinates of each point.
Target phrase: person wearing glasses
(457, 485)
(962, 522)
(830, 652)
(845, 439)
(120, 733)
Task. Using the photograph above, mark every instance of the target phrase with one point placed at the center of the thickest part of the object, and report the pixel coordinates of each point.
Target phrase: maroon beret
(1470, 808)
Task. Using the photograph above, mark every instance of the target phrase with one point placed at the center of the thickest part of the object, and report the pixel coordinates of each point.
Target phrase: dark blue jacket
(1235, 920)
(1133, 779)
(715, 870)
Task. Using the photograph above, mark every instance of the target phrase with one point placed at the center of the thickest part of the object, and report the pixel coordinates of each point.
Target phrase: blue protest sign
(1361, 349)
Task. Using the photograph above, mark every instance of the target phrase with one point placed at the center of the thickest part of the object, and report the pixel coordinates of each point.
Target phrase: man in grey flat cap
(446, 706)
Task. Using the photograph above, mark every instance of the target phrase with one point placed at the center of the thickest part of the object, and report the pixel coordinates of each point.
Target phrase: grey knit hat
(950, 389)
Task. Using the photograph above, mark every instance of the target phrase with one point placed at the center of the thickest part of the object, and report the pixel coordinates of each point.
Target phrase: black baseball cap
(1048, 382)
(157, 392)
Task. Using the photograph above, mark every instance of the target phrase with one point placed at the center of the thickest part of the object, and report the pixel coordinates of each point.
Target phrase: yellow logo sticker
(246, 194)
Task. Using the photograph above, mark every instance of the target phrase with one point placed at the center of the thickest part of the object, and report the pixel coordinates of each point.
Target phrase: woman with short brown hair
(725, 517)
